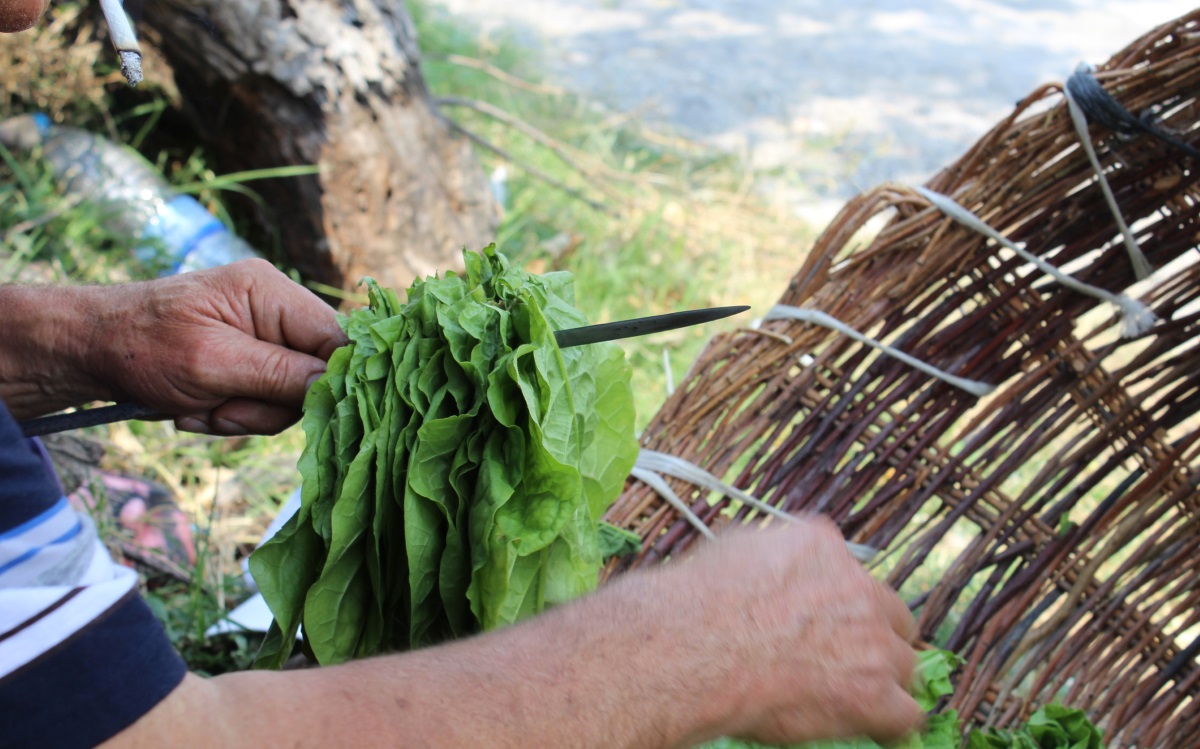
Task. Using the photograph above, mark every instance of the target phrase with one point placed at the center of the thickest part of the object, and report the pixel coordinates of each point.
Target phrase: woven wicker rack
(1047, 531)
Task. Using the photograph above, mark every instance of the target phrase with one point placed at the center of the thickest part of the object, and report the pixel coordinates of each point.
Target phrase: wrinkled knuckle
(248, 274)
(878, 685)
(276, 374)
(194, 364)
(875, 670)
(861, 695)
(885, 639)
(257, 266)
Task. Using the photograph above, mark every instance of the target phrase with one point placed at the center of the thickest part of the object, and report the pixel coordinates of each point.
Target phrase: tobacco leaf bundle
(456, 468)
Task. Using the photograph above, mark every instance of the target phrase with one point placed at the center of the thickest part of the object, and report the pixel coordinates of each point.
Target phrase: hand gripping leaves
(456, 467)
(1050, 727)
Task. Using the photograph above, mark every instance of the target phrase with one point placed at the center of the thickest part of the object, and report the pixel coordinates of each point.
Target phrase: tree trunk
(335, 83)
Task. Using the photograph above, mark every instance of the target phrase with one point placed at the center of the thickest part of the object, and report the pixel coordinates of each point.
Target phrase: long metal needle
(124, 40)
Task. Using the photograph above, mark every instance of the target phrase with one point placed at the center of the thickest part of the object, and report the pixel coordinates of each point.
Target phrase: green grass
(59, 238)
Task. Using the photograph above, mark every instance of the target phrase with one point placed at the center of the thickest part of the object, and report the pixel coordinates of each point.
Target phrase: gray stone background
(825, 98)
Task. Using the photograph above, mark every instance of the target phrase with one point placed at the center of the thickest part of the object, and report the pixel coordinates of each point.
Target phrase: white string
(650, 464)
(1136, 318)
(974, 387)
(655, 482)
(1141, 266)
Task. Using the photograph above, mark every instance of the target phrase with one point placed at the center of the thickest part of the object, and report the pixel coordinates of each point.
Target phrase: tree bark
(335, 83)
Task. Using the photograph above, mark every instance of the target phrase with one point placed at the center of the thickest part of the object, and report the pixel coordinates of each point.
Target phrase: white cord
(650, 464)
(1136, 318)
(656, 482)
(669, 375)
(782, 311)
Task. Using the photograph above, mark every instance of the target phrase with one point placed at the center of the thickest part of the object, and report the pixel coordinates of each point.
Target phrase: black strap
(1102, 109)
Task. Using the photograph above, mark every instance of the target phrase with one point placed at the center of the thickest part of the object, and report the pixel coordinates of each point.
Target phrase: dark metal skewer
(89, 418)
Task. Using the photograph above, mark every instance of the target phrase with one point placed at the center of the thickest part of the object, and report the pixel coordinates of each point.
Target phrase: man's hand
(230, 350)
(811, 645)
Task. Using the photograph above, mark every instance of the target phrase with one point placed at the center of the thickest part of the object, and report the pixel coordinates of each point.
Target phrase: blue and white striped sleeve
(81, 655)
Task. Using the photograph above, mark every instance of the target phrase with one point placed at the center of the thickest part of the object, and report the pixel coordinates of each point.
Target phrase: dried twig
(566, 153)
(560, 149)
(499, 74)
(530, 169)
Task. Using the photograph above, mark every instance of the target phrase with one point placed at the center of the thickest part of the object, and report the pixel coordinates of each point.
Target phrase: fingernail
(313, 380)
(190, 424)
(230, 428)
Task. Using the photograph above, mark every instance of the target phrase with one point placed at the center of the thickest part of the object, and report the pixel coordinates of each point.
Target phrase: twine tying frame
(650, 463)
(786, 312)
(1136, 318)
(1141, 266)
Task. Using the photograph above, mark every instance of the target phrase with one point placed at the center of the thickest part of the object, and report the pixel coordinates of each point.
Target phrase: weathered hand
(225, 351)
(230, 350)
(796, 639)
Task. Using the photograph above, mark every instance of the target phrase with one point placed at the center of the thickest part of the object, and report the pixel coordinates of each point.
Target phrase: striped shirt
(81, 655)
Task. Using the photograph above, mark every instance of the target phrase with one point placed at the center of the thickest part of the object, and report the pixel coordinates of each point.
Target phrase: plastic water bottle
(135, 198)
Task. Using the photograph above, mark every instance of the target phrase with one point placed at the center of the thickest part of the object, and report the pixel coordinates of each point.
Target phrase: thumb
(239, 416)
(18, 15)
(270, 373)
(895, 716)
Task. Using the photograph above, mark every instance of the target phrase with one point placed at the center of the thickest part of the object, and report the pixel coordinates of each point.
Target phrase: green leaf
(932, 680)
(351, 513)
(284, 568)
(612, 448)
(617, 542)
(335, 608)
(1054, 726)
(942, 731)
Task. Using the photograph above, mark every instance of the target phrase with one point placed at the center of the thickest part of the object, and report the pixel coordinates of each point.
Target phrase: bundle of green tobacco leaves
(1051, 727)
(456, 468)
